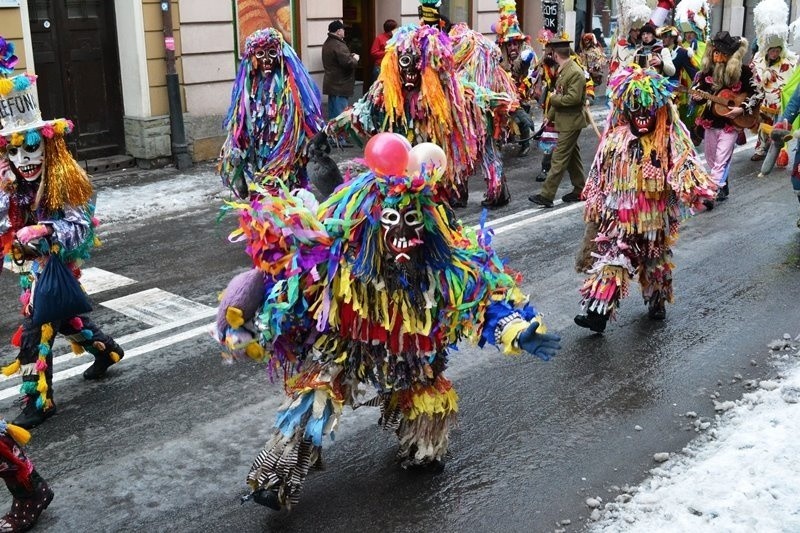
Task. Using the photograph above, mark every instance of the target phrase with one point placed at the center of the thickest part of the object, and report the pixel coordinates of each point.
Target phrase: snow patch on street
(743, 475)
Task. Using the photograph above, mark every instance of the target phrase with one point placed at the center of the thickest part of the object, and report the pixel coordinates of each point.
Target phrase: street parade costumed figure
(30, 492)
(692, 18)
(520, 61)
(359, 301)
(633, 14)
(489, 87)
(593, 57)
(773, 65)
(275, 111)
(723, 74)
(417, 96)
(45, 215)
(645, 177)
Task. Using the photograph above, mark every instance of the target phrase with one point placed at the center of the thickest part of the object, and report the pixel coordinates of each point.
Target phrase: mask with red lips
(641, 119)
(27, 161)
(402, 232)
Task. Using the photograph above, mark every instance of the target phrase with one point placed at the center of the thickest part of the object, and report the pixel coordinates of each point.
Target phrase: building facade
(102, 63)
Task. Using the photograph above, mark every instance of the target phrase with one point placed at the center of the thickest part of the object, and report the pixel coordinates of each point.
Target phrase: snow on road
(742, 476)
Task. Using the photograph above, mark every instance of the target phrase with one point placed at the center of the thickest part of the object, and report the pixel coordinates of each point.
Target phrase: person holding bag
(46, 226)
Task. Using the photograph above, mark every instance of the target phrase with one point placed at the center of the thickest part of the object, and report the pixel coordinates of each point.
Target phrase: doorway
(77, 62)
(358, 17)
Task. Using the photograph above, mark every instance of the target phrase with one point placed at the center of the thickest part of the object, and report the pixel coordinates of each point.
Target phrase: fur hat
(769, 18)
(648, 28)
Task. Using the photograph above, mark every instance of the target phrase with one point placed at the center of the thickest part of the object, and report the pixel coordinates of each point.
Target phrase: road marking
(96, 280)
(129, 354)
(155, 306)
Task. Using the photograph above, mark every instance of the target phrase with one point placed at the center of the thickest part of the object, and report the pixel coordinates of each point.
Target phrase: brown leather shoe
(757, 157)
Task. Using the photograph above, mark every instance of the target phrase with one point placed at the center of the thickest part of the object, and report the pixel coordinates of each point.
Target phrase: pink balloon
(386, 154)
(405, 140)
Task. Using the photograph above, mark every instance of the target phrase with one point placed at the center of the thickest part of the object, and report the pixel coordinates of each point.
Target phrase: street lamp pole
(180, 153)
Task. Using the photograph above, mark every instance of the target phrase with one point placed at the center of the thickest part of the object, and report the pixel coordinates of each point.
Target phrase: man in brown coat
(567, 113)
(339, 63)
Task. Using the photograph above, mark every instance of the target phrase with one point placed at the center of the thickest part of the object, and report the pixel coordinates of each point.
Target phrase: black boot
(109, 355)
(656, 309)
(267, 498)
(502, 198)
(27, 504)
(593, 321)
(31, 416)
(722, 194)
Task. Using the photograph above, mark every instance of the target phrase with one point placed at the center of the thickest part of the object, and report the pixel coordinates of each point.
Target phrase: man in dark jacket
(339, 63)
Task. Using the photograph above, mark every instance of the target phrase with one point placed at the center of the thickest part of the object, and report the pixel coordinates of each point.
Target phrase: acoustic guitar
(723, 101)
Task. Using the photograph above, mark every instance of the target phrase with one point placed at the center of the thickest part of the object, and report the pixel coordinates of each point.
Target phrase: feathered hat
(770, 18)
(507, 28)
(692, 15)
(634, 15)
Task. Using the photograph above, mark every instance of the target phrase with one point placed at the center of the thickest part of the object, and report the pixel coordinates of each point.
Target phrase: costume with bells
(275, 111)
(771, 75)
(645, 177)
(44, 210)
(29, 490)
(358, 302)
(520, 61)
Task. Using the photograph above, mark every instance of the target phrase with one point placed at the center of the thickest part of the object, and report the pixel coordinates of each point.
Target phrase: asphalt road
(165, 441)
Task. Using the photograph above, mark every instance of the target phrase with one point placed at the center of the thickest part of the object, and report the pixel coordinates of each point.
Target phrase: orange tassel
(783, 158)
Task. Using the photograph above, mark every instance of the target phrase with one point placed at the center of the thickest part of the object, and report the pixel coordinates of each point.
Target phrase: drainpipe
(180, 154)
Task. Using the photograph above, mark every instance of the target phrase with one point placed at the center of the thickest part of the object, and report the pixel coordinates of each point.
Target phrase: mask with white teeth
(641, 119)
(402, 232)
(27, 161)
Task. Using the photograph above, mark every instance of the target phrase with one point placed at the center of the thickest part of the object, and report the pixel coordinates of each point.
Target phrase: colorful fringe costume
(423, 100)
(489, 87)
(29, 490)
(333, 310)
(45, 191)
(645, 177)
(275, 111)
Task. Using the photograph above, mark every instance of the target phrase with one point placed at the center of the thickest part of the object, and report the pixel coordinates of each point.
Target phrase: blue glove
(542, 345)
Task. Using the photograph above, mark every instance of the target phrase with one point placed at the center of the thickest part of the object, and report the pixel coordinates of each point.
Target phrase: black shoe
(102, 362)
(722, 194)
(524, 149)
(434, 466)
(656, 309)
(571, 197)
(540, 200)
(541, 176)
(267, 498)
(709, 204)
(593, 321)
(31, 416)
(501, 200)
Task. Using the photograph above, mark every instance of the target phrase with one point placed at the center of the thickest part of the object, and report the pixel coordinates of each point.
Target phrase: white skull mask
(402, 232)
(27, 161)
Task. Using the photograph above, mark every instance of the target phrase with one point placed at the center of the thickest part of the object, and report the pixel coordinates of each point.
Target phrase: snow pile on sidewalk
(743, 476)
(135, 204)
